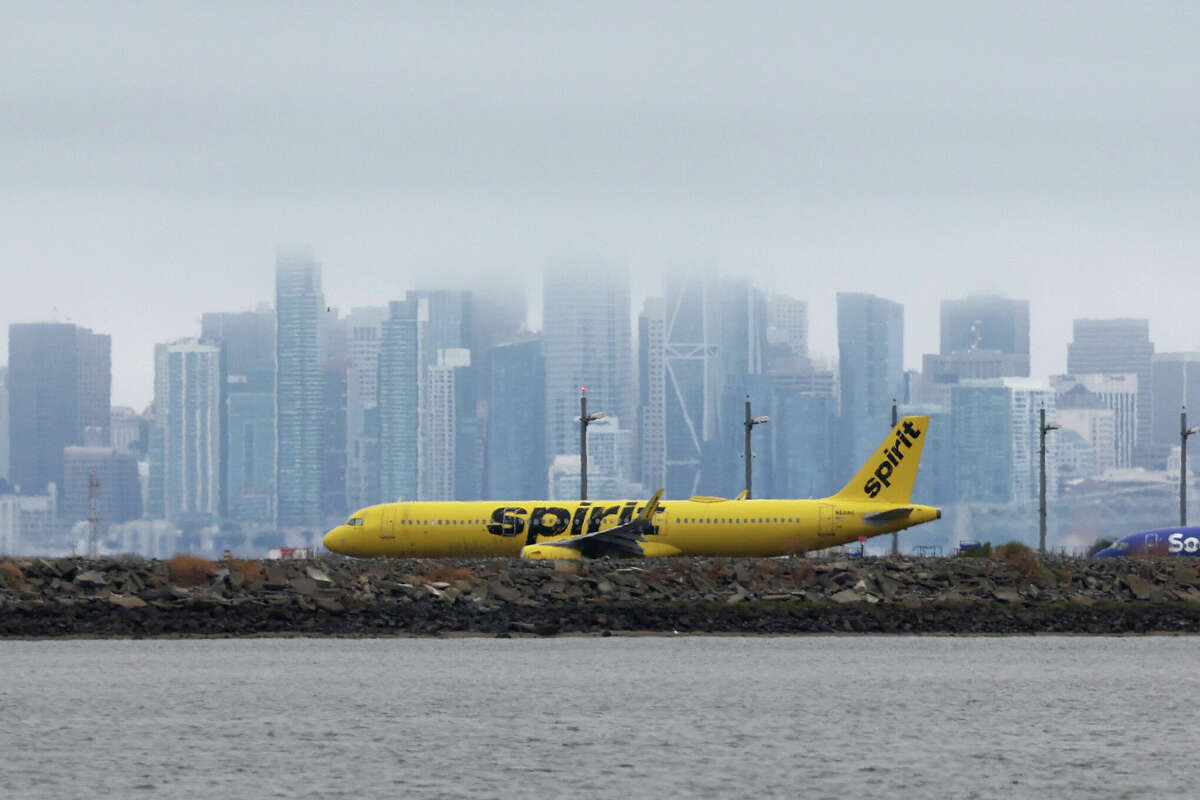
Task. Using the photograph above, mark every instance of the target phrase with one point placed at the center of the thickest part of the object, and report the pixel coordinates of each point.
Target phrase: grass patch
(1021, 559)
(185, 570)
(11, 575)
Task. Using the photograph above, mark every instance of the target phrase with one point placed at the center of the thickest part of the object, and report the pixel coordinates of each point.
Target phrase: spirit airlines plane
(876, 501)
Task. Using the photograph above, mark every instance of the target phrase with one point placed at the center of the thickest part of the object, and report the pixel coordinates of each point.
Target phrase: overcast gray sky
(153, 156)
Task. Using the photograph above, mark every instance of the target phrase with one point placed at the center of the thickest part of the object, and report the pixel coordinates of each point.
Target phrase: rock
(318, 576)
(90, 579)
(276, 577)
(127, 601)
(1082, 600)
(330, 605)
(1140, 587)
(305, 586)
(846, 596)
(502, 592)
(1007, 595)
(861, 587)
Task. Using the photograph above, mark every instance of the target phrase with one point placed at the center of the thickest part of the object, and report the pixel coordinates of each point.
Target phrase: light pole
(585, 419)
(895, 534)
(1044, 429)
(750, 423)
(1184, 433)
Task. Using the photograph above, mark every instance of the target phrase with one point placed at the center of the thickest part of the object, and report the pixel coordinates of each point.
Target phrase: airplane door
(825, 524)
(387, 525)
(1150, 544)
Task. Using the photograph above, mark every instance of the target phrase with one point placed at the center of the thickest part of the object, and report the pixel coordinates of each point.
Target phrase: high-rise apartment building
(1113, 347)
(871, 364)
(400, 366)
(364, 332)
(452, 442)
(515, 454)
(59, 386)
(587, 343)
(996, 439)
(188, 377)
(299, 390)
(247, 341)
(1176, 383)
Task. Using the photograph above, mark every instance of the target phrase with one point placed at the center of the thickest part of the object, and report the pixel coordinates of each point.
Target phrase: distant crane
(93, 514)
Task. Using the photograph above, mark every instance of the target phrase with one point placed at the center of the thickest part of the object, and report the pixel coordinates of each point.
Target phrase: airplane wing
(887, 517)
(622, 539)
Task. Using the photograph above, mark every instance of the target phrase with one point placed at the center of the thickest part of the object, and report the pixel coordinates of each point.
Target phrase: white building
(1098, 428)
(1118, 392)
(443, 387)
(1026, 399)
(188, 404)
(27, 522)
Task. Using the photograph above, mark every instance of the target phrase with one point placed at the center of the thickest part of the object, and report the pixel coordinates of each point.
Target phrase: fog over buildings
(154, 157)
(405, 235)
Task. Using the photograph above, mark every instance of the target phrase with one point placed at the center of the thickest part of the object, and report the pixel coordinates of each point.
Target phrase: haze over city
(155, 158)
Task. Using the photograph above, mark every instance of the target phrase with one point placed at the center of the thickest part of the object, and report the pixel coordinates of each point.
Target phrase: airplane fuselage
(701, 527)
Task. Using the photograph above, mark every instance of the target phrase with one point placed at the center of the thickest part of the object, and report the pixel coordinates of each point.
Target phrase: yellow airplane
(874, 502)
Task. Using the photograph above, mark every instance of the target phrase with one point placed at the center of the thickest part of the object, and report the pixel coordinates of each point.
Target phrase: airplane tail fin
(889, 473)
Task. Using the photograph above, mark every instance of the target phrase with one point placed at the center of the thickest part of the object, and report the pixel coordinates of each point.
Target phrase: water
(622, 717)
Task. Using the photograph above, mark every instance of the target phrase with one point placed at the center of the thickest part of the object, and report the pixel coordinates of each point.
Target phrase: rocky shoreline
(1010, 594)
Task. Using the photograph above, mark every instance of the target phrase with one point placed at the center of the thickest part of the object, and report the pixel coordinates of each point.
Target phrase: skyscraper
(247, 340)
(1115, 346)
(1176, 379)
(399, 399)
(995, 438)
(787, 324)
(987, 323)
(449, 469)
(188, 378)
(587, 343)
(515, 456)
(364, 334)
(801, 436)
(871, 363)
(693, 378)
(651, 429)
(1117, 392)
(299, 392)
(334, 369)
(59, 384)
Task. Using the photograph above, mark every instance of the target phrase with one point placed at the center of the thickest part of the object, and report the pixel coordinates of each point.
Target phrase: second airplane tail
(889, 474)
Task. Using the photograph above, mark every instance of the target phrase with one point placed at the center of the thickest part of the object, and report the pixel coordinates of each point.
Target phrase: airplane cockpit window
(1121, 545)
(355, 521)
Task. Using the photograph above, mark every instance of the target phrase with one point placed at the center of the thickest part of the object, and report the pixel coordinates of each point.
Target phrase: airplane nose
(333, 540)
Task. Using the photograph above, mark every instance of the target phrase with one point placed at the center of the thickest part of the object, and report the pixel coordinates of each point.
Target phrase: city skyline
(1044, 155)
